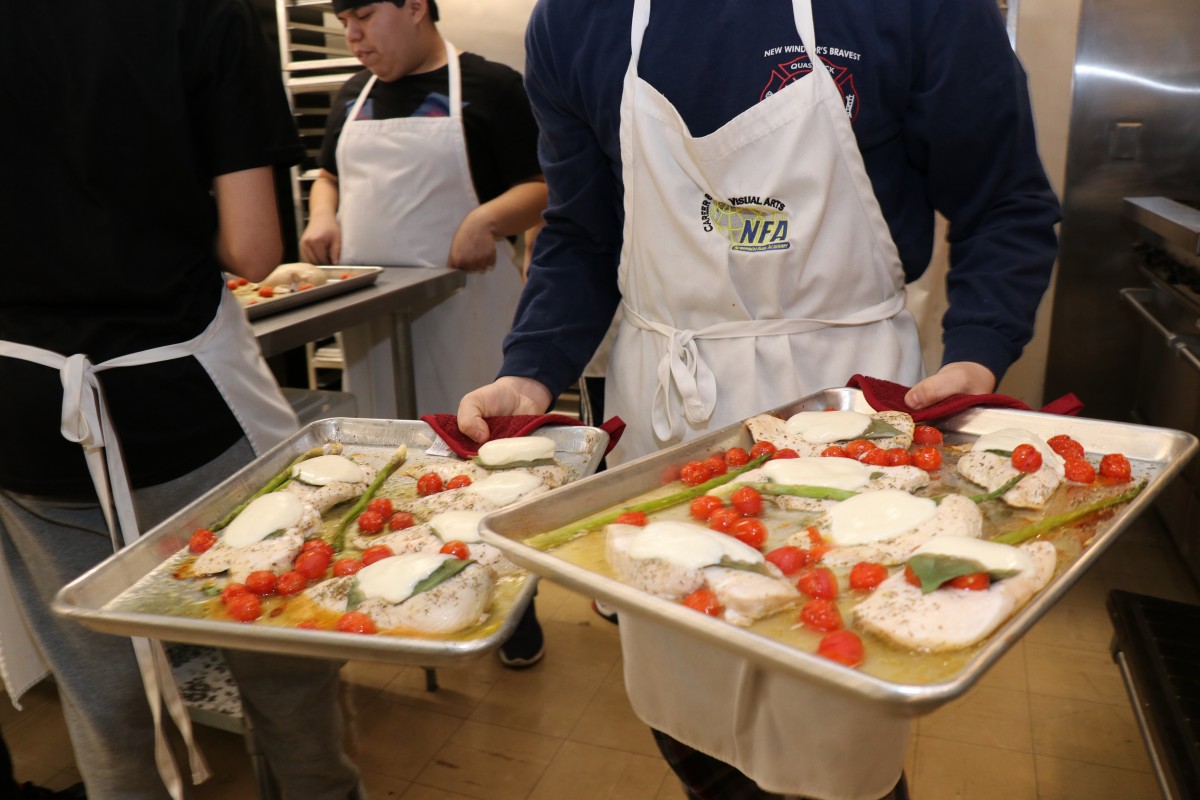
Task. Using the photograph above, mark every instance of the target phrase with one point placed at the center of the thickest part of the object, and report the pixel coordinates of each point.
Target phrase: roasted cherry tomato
(866, 575)
(910, 577)
(233, 590)
(705, 601)
(347, 566)
(694, 473)
(748, 530)
(926, 458)
(312, 563)
(401, 520)
(370, 522)
(632, 518)
(818, 582)
(1066, 447)
(723, 518)
(1079, 470)
(309, 625)
(821, 615)
(898, 457)
(261, 582)
(429, 483)
(785, 452)
(926, 434)
(355, 622)
(318, 545)
(843, 647)
(245, 607)
(856, 448)
(231, 284)
(703, 506)
(201, 540)
(876, 458)
(975, 582)
(376, 552)
(1116, 467)
(458, 482)
(266, 291)
(304, 287)
(789, 559)
(737, 457)
(457, 549)
(762, 448)
(381, 506)
(835, 451)
(1026, 458)
(747, 500)
(716, 465)
(290, 583)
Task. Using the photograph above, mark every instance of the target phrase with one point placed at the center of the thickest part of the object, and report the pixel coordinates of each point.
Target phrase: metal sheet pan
(130, 592)
(339, 281)
(1164, 452)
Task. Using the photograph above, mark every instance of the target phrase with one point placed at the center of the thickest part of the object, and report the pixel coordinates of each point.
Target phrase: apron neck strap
(452, 66)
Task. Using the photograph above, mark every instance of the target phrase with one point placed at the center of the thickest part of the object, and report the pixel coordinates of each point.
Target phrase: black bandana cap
(345, 5)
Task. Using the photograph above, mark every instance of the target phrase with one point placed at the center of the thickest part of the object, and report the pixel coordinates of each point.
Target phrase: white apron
(756, 268)
(229, 353)
(404, 187)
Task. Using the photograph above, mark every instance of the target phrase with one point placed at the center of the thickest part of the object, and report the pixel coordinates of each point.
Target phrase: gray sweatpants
(292, 702)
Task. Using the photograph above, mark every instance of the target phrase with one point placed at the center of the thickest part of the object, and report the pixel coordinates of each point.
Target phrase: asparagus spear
(1018, 535)
(338, 539)
(814, 492)
(278, 482)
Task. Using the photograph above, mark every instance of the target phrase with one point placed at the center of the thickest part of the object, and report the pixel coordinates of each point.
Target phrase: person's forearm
(516, 210)
(249, 241)
(323, 196)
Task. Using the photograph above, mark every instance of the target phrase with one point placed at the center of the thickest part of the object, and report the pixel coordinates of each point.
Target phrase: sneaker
(526, 646)
(607, 612)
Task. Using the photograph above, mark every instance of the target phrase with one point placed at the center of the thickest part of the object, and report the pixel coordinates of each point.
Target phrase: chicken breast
(748, 596)
(275, 552)
(552, 475)
(955, 516)
(513, 485)
(424, 538)
(769, 428)
(839, 473)
(947, 618)
(992, 471)
(326, 496)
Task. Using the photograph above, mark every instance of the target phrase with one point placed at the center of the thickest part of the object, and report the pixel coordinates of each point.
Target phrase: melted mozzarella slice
(1009, 438)
(394, 579)
(995, 557)
(877, 516)
(462, 526)
(820, 427)
(265, 515)
(324, 470)
(835, 473)
(505, 487)
(689, 546)
(516, 450)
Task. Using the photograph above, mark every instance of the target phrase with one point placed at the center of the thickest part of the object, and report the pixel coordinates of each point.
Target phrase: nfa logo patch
(751, 224)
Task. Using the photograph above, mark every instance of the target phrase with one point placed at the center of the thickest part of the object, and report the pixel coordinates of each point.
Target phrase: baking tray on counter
(339, 280)
(134, 591)
(1156, 453)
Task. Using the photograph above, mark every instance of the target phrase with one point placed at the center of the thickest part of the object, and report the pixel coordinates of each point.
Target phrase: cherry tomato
(747, 501)
(242, 281)
(926, 458)
(821, 615)
(1066, 447)
(370, 522)
(694, 473)
(856, 448)
(705, 601)
(818, 582)
(309, 625)
(814, 535)
(866, 575)
(786, 452)
(266, 291)
(290, 583)
(876, 458)
(1079, 470)
(762, 448)
(716, 465)
(898, 457)
(843, 647)
(245, 607)
(457, 549)
(355, 622)
(458, 482)
(303, 287)
(926, 434)
(975, 582)
(312, 564)
(737, 457)
(789, 559)
(723, 519)
(375, 553)
(261, 582)
(201, 540)
(1026, 458)
(233, 590)
(1116, 467)
(910, 577)
(835, 451)
(381, 506)
(704, 505)
(231, 284)
(318, 545)
(632, 518)
(748, 530)
(401, 520)
(429, 483)
(347, 566)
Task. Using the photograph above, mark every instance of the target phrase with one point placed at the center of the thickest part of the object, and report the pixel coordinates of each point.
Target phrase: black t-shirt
(497, 122)
(120, 116)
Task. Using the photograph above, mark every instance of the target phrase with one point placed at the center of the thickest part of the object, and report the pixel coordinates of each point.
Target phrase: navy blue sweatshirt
(938, 104)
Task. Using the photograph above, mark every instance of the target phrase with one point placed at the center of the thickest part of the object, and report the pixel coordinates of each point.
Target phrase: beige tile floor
(1051, 720)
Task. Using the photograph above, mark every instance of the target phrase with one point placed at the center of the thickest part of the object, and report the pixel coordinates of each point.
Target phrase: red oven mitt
(446, 426)
(887, 396)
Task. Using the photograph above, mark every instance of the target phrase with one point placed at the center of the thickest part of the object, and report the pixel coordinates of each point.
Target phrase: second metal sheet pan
(1166, 450)
(126, 594)
(339, 281)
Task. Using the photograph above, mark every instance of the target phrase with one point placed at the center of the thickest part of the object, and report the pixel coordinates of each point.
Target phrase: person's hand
(473, 248)
(321, 242)
(960, 377)
(504, 397)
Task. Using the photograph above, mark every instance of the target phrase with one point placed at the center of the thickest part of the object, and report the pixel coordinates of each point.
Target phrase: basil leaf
(878, 429)
(448, 569)
(1005, 453)
(354, 595)
(729, 563)
(273, 535)
(933, 570)
(539, 462)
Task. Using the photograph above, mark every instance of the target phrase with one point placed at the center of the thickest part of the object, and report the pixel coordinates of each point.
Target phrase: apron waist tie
(682, 369)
